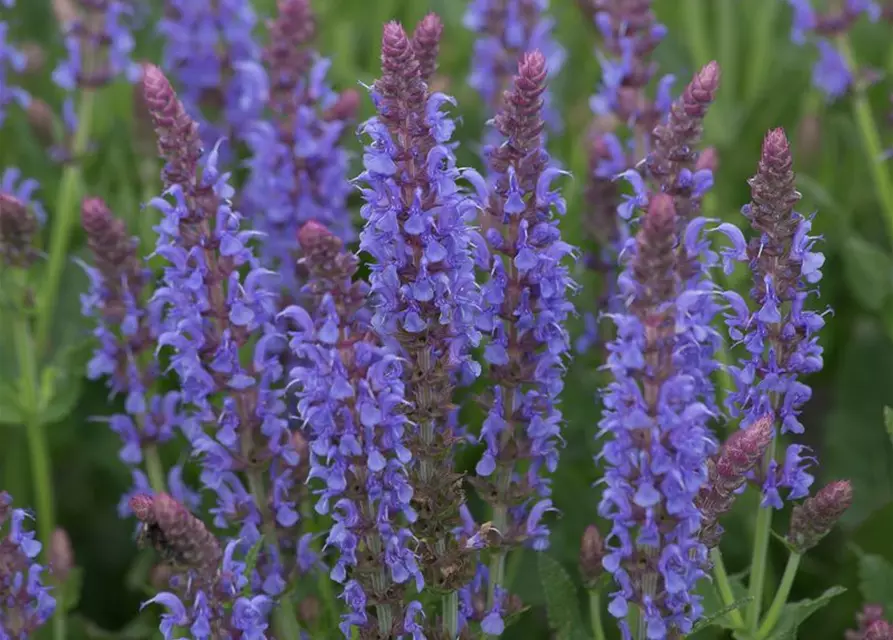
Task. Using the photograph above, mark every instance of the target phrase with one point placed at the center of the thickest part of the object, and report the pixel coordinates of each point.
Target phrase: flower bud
(18, 227)
(175, 533)
(812, 520)
(61, 555)
(592, 552)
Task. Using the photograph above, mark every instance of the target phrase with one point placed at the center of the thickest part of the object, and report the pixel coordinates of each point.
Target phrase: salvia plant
(377, 346)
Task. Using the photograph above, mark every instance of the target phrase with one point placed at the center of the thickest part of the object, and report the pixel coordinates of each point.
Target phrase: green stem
(285, 617)
(781, 597)
(760, 55)
(38, 450)
(451, 614)
(595, 614)
(497, 557)
(725, 587)
(154, 469)
(759, 557)
(64, 218)
(697, 31)
(871, 138)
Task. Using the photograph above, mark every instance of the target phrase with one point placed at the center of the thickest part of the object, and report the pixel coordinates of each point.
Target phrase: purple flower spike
(26, 602)
(214, 302)
(629, 34)
(351, 398)
(423, 285)
(99, 46)
(525, 308)
(11, 61)
(778, 332)
(830, 74)
(659, 441)
(506, 29)
(298, 168)
(211, 53)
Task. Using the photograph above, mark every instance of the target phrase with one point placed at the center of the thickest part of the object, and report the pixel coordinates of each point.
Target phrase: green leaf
(876, 580)
(10, 412)
(795, 613)
(70, 591)
(716, 611)
(251, 563)
(718, 617)
(562, 605)
(867, 270)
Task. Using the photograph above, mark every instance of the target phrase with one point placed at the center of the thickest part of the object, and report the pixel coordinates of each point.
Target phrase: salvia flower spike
(780, 334)
(351, 398)
(213, 299)
(816, 516)
(25, 601)
(422, 281)
(659, 442)
(298, 168)
(126, 332)
(524, 310)
(506, 30)
(12, 61)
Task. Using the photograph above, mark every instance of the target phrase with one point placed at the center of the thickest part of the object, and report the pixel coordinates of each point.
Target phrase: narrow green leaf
(251, 563)
(876, 580)
(562, 605)
(718, 617)
(795, 613)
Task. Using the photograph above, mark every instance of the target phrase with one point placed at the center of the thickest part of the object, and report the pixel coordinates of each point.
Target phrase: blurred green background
(766, 83)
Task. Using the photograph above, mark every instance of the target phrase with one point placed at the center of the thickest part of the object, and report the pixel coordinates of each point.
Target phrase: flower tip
(592, 552)
(532, 65)
(708, 77)
(141, 505)
(393, 38)
(775, 144)
(430, 28)
(95, 214)
(313, 233)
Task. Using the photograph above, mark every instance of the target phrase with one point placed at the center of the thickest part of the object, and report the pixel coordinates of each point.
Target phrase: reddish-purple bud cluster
(816, 516)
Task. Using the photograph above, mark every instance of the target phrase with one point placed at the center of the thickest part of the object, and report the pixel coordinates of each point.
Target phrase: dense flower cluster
(99, 45)
(657, 454)
(211, 52)
(620, 135)
(524, 311)
(506, 29)
(779, 335)
(831, 73)
(872, 625)
(25, 602)
(422, 280)
(298, 170)
(214, 298)
(351, 398)
(126, 332)
(12, 60)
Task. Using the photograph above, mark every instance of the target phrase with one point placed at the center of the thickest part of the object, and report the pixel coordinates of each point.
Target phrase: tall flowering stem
(351, 398)
(525, 308)
(423, 282)
(506, 30)
(779, 335)
(236, 417)
(657, 454)
(211, 52)
(620, 134)
(27, 603)
(126, 332)
(298, 169)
